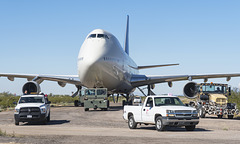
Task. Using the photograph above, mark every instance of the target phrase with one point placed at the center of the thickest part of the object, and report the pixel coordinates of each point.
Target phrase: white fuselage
(102, 62)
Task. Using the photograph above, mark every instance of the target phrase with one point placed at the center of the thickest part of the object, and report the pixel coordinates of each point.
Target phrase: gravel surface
(73, 125)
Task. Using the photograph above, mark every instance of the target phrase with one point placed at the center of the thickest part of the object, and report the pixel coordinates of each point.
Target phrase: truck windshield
(162, 101)
(214, 89)
(31, 100)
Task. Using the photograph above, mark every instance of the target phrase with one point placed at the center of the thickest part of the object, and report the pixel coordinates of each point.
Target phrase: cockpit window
(92, 36)
(106, 36)
(100, 36)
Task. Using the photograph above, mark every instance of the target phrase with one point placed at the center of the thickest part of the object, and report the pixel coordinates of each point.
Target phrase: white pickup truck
(161, 111)
(32, 108)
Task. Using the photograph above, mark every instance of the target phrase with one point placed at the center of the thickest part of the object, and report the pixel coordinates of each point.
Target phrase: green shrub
(235, 97)
(7, 100)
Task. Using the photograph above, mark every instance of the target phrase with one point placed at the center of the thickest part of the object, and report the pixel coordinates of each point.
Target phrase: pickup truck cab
(161, 111)
(32, 108)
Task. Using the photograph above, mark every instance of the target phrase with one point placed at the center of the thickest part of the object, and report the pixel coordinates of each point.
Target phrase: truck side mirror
(49, 102)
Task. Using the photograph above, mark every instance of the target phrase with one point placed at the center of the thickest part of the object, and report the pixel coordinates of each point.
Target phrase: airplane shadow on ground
(52, 122)
(111, 108)
(174, 129)
(115, 108)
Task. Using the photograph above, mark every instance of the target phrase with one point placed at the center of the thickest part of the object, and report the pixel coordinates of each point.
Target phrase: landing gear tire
(123, 103)
(220, 116)
(108, 104)
(82, 104)
(131, 123)
(202, 113)
(230, 116)
(76, 103)
(86, 109)
(159, 124)
(190, 128)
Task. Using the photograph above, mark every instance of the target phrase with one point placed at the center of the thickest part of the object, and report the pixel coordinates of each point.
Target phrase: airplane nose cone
(90, 58)
(88, 69)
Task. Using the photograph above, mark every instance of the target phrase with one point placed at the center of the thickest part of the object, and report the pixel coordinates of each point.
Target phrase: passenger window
(92, 36)
(100, 36)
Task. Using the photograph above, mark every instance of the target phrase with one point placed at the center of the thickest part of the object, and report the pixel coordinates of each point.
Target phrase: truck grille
(183, 113)
(179, 115)
(221, 100)
(34, 111)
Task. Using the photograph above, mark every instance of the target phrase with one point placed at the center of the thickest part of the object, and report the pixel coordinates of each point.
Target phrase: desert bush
(7, 100)
(235, 97)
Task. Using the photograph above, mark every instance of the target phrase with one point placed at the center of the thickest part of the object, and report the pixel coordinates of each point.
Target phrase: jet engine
(31, 87)
(190, 90)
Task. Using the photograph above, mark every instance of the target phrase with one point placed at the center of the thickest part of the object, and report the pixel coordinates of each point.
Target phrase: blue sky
(44, 37)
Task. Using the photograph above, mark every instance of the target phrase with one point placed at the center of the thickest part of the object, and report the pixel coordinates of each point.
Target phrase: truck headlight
(16, 111)
(170, 113)
(43, 110)
(195, 113)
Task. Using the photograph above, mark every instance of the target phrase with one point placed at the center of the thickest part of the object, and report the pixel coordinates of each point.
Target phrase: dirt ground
(73, 125)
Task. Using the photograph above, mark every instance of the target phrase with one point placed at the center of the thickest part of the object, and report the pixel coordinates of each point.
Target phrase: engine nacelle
(31, 87)
(190, 90)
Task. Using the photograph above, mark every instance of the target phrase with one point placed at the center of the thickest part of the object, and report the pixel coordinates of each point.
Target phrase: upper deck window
(92, 36)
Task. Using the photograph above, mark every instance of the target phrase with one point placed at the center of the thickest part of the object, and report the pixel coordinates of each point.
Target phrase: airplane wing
(141, 80)
(61, 79)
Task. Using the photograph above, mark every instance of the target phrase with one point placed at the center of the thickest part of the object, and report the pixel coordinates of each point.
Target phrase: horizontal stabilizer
(154, 66)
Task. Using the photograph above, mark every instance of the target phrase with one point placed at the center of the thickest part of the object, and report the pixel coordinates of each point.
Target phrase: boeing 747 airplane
(103, 63)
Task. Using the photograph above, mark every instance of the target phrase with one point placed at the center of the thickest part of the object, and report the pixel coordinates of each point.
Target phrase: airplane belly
(107, 76)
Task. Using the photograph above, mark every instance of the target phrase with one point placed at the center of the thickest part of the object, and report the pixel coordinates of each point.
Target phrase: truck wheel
(76, 103)
(48, 118)
(159, 124)
(220, 116)
(44, 121)
(131, 123)
(16, 122)
(190, 128)
(86, 109)
(202, 113)
(230, 116)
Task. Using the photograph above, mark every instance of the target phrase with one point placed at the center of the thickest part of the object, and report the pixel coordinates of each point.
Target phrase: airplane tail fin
(126, 46)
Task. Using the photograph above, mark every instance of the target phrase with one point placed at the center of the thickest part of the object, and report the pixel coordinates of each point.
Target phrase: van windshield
(31, 100)
(173, 101)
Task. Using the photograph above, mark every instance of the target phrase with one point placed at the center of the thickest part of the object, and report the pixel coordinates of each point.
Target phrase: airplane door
(147, 111)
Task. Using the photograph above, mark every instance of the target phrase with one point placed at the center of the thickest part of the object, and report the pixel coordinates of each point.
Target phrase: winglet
(126, 46)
